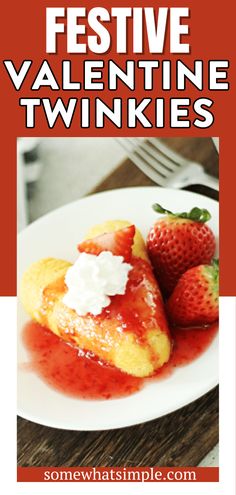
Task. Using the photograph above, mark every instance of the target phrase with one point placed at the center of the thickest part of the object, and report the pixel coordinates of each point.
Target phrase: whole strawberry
(194, 300)
(178, 242)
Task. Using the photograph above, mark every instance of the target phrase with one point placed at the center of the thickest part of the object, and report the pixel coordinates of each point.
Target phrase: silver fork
(164, 166)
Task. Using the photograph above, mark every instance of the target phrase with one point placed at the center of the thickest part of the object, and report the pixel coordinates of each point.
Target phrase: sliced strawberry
(119, 243)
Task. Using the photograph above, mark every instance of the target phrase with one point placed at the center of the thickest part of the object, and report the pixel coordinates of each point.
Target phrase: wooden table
(182, 438)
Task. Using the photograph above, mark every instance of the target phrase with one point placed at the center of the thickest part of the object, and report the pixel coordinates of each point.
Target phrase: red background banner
(186, 474)
(23, 37)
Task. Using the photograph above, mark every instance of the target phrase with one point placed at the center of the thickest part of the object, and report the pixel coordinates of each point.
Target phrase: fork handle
(208, 180)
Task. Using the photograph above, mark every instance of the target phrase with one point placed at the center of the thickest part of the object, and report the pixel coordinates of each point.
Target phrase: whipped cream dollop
(92, 279)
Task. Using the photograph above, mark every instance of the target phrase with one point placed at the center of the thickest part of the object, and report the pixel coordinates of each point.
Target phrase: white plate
(57, 234)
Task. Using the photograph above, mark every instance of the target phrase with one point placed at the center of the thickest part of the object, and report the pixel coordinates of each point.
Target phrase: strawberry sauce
(81, 374)
(73, 371)
(188, 344)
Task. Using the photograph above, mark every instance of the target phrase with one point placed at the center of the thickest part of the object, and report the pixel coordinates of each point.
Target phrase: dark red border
(202, 474)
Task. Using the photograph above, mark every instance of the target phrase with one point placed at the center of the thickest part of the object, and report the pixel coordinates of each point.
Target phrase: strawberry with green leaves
(195, 299)
(177, 242)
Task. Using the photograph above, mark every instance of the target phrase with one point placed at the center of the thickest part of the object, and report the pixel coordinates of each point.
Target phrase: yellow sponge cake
(131, 333)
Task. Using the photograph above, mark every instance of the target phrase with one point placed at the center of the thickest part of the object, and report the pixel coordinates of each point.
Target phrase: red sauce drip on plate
(80, 374)
(188, 344)
(72, 371)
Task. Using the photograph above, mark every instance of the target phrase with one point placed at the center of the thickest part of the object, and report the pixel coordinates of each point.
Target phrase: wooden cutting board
(182, 438)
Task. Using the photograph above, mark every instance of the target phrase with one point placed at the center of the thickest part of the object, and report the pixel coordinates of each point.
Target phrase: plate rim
(145, 417)
(120, 189)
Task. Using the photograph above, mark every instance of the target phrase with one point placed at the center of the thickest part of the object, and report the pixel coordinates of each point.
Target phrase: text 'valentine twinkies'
(120, 66)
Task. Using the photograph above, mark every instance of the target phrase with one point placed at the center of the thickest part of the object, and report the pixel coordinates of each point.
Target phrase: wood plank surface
(181, 438)
(201, 150)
